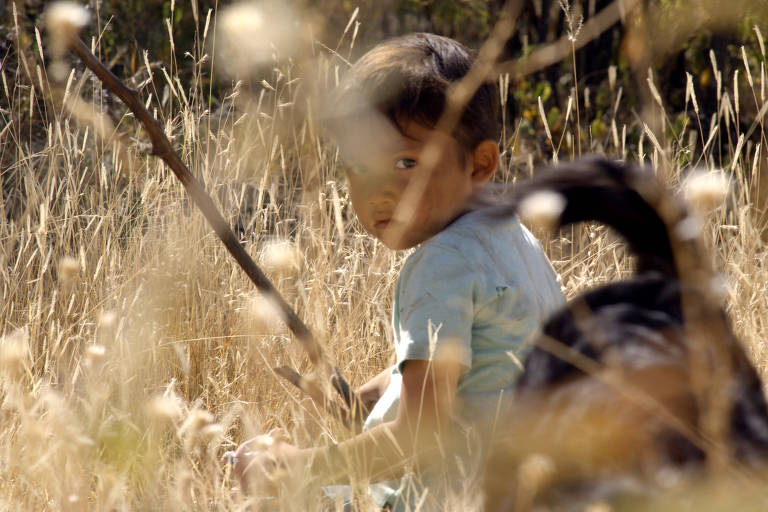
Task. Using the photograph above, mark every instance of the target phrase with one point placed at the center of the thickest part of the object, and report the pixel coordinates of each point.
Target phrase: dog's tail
(664, 237)
(626, 197)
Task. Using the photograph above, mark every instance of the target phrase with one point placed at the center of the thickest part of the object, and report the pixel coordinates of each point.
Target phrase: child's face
(382, 167)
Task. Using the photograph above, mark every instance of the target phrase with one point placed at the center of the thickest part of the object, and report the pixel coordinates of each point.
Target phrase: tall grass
(134, 351)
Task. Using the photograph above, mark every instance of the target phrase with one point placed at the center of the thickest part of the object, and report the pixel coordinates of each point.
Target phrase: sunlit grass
(135, 352)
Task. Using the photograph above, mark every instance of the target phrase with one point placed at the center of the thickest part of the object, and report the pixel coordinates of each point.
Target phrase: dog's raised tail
(626, 197)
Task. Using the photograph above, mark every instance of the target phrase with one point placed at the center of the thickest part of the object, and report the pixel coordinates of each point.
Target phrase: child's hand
(259, 463)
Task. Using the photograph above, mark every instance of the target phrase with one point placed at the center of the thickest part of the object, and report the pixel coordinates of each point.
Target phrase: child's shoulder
(475, 241)
(473, 233)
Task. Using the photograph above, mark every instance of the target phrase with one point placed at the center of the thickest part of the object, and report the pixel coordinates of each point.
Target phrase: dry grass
(133, 350)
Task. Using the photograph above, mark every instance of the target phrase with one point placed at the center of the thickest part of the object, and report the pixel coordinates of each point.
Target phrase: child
(467, 300)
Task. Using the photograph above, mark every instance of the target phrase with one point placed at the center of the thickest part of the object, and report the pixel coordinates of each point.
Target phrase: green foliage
(143, 25)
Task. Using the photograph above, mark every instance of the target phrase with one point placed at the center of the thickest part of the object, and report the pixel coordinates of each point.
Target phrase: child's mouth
(382, 224)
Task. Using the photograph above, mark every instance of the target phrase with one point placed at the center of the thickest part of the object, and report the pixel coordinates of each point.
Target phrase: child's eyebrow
(403, 143)
(396, 147)
(387, 147)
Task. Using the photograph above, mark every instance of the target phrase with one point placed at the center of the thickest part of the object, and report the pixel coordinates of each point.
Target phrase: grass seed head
(194, 426)
(14, 352)
(542, 209)
(184, 481)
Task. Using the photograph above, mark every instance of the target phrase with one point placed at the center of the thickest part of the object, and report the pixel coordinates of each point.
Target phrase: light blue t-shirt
(482, 287)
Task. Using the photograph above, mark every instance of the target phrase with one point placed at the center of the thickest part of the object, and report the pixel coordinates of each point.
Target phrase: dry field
(135, 352)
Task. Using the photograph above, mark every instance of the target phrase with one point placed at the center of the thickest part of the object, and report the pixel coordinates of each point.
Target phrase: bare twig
(457, 98)
(549, 54)
(162, 148)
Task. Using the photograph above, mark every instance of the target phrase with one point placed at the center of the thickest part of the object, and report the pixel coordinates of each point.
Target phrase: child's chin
(399, 247)
(397, 242)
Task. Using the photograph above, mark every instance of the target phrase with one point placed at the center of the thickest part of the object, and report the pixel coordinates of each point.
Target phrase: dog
(632, 381)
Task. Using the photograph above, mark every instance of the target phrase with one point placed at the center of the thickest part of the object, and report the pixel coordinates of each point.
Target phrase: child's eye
(405, 163)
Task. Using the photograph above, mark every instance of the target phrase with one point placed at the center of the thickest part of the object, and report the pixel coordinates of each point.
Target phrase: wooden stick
(162, 148)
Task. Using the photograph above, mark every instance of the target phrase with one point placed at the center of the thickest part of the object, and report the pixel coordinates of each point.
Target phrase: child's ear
(485, 159)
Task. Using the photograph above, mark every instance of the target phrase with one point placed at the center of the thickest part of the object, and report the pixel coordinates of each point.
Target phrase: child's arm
(422, 424)
(423, 421)
(370, 392)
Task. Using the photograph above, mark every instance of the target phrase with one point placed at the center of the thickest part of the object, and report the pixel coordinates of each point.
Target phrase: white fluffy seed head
(66, 17)
(542, 209)
(706, 190)
(250, 34)
(262, 314)
(280, 258)
(107, 320)
(64, 20)
(195, 429)
(164, 408)
(95, 354)
(69, 268)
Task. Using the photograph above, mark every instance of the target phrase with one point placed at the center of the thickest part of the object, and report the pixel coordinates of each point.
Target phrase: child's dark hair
(406, 79)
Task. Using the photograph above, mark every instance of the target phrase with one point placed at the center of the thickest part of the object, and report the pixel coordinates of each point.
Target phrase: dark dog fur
(632, 377)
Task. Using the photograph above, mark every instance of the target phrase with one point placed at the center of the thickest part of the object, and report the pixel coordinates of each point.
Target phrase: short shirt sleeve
(434, 306)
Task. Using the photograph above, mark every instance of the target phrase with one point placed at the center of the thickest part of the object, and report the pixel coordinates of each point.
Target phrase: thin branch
(553, 53)
(162, 148)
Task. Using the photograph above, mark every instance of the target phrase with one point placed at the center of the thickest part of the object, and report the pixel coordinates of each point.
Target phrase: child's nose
(385, 197)
(383, 189)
